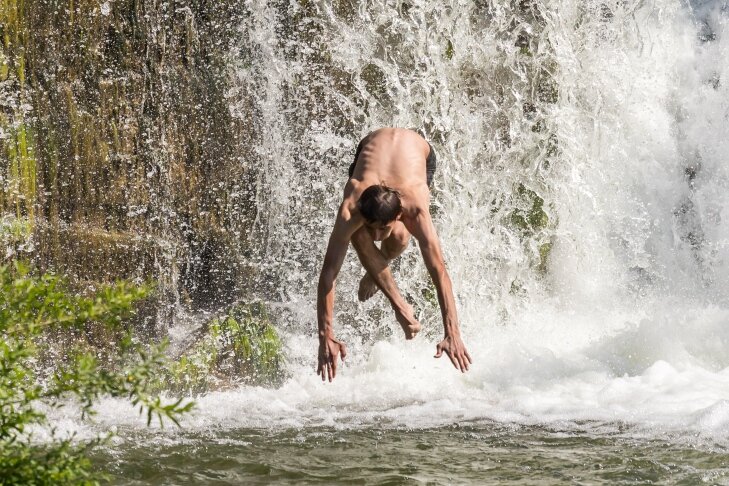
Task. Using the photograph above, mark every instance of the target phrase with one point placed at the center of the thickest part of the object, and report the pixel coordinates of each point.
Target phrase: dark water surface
(492, 454)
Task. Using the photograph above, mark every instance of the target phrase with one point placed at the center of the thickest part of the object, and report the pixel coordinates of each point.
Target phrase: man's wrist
(451, 330)
(399, 305)
(326, 334)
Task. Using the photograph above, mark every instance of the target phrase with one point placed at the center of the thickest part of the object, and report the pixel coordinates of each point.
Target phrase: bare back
(397, 158)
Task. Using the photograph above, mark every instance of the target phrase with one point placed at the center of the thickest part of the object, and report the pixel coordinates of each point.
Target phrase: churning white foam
(630, 324)
(658, 375)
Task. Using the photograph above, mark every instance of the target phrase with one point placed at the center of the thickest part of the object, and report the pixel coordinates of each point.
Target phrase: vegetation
(242, 346)
(529, 220)
(31, 309)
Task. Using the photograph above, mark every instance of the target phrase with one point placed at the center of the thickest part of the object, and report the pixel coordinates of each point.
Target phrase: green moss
(20, 70)
(20, 187)
(4, 66)
(430, 294)
(544, 250)
(241, 347)
(529, 217)
(449, 50)
(10, 21)
(14, 231)
(530, 220)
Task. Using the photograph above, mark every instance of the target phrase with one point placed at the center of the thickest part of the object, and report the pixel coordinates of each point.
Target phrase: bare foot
(408, 323)
(367, 288)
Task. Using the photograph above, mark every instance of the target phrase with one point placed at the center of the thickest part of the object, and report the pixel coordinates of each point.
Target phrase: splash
(579, 199)
(579, 202)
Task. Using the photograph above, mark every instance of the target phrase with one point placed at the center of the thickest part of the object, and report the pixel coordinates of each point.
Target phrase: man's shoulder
(417, 197)
(349, 214)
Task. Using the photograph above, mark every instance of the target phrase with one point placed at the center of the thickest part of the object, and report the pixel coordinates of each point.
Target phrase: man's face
(379, 231)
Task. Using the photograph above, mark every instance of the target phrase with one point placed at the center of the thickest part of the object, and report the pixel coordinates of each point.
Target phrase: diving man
(387, 199)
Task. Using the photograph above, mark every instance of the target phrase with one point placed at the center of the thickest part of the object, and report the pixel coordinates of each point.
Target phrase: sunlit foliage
(31, 307)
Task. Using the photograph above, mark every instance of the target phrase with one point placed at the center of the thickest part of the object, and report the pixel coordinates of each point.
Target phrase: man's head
(381, 207)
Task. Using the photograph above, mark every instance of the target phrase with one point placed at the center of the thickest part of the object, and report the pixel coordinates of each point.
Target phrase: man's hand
(456, 351)
(408, 322)
(329, 349)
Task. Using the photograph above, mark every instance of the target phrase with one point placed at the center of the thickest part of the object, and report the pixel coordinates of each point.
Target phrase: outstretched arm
(423, 230)
(329, 346)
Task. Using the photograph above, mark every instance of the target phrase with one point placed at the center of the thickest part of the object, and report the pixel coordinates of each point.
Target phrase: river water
(580, 199)
(458, 454)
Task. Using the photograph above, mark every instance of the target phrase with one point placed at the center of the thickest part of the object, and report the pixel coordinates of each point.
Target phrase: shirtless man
(387, 199)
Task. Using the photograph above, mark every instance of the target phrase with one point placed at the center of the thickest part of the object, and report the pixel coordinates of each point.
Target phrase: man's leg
(368, 253)
(391, 248)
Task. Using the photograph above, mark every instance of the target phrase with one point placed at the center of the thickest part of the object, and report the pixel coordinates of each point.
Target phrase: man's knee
(396, 243)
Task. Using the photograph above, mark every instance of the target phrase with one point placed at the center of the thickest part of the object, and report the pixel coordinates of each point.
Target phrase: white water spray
(605, 122)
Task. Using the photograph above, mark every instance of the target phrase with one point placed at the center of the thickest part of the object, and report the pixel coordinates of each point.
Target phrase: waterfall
(579, 199)
(477, 80)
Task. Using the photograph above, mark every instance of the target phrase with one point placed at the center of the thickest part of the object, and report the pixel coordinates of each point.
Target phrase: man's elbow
(326, 282)
(438, 271)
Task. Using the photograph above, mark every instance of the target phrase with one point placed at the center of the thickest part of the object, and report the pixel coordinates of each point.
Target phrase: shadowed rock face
(192, 142)
(119, 146)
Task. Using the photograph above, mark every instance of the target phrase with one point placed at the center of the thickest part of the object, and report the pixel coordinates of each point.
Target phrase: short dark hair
(379, 203)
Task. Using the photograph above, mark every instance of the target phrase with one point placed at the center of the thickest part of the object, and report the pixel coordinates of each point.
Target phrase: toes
(366, 290)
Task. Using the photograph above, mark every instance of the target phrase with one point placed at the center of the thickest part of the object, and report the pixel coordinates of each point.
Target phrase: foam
(629, 326)
(516, 378)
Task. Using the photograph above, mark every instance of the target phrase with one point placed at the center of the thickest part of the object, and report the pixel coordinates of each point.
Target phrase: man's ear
(399, 216)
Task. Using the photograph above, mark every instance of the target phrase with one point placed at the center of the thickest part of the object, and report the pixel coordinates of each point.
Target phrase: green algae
(240, 347)
(529, 216)
(531, 222)
(449, 50)
(96, 142)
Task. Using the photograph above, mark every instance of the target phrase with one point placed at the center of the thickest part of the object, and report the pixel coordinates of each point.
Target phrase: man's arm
(329, 347)
(377, 267)
(423, 230)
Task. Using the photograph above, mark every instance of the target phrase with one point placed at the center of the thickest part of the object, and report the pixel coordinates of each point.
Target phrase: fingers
(464, 363)
(453, 360)
(328, 359)
(460, 360)
(465, 360)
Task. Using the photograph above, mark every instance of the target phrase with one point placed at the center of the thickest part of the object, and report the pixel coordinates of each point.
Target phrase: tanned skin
(397, 158)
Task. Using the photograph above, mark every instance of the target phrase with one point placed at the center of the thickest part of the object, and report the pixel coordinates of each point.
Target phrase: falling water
(580, 199)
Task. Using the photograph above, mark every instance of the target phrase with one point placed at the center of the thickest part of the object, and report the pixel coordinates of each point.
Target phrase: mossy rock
(118, 92)
(529, 217)
(544, 250)
(530, 221)
(241, 347)
(449, 50)
(375, 81)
